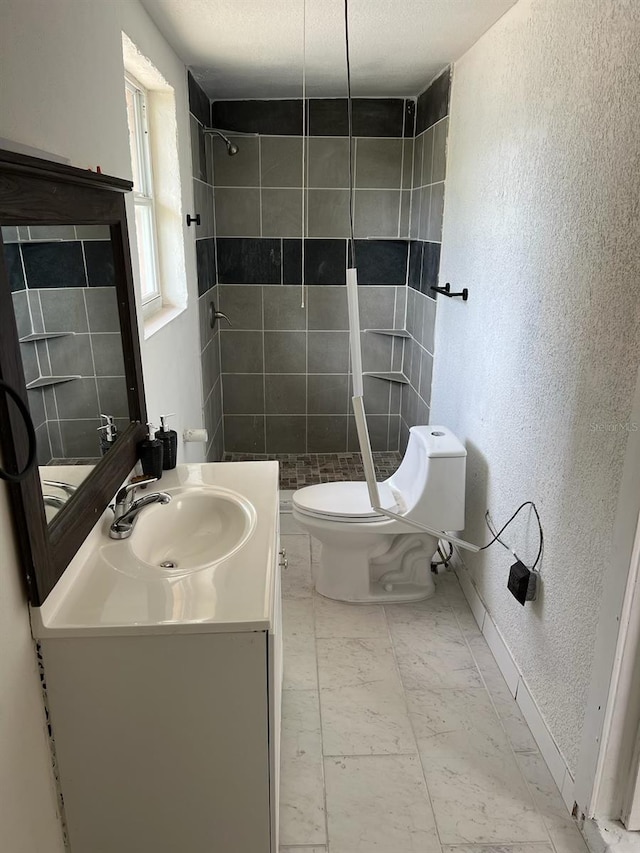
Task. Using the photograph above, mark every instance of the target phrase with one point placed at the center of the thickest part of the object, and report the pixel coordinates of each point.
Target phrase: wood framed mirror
(69, 348)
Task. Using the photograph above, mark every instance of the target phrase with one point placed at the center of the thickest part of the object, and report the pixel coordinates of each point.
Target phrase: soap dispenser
(108, 433)
(169, 439)
(150, 454)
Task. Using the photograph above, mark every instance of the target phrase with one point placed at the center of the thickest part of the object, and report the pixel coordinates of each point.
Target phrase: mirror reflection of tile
(62, 283)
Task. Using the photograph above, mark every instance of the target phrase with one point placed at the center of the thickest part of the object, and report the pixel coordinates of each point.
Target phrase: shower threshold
(307, 469)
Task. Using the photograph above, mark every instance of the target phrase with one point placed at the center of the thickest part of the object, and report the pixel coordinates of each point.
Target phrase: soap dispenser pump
(108, 433)
(169, 439)
(150, 454)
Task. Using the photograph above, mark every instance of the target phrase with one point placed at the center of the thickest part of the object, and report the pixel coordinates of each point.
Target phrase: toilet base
(363, 568)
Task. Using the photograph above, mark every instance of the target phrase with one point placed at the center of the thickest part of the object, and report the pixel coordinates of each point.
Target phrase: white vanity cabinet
(167, 737)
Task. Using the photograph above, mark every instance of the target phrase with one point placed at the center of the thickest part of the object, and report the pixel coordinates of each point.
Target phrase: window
(143, 196)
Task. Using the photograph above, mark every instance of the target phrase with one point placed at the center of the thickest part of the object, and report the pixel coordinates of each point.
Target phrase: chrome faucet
(54, 501)
(67, 488)
(127, 509)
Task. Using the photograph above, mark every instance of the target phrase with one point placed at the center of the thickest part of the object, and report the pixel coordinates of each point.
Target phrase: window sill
(160, 319)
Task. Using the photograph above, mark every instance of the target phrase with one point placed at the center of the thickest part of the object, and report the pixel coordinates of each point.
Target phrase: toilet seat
(343, 502)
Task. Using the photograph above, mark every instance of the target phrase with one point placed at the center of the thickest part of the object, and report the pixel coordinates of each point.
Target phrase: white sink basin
(197, 529)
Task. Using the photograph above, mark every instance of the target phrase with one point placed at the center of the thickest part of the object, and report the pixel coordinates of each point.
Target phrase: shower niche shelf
(392, 333)
(44, 381)
(43, 336)
(391, 376)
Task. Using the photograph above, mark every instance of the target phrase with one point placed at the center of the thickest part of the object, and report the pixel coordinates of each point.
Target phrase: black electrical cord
(31, 436)
(496, 536)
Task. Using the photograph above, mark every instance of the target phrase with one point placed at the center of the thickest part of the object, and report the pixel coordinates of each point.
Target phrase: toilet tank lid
(438, 441)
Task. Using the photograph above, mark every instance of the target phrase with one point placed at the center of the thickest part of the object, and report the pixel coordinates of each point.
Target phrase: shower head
(232, 148)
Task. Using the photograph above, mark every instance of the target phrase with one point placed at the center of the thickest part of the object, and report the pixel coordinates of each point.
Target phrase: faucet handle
(130, 487)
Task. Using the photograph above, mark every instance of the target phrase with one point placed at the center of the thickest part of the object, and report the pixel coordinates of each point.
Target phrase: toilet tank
(431, 477)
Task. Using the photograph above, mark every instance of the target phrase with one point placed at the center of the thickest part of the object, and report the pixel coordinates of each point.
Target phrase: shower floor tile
(308, 469)
(409, 740)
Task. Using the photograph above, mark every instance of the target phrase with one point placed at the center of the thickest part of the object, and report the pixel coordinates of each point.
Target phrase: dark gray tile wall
(66, 288)
(202, 156)
(285, 369)
(278, 380)
(425, 231)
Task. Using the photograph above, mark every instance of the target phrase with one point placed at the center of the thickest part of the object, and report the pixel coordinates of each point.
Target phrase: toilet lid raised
(342, 500)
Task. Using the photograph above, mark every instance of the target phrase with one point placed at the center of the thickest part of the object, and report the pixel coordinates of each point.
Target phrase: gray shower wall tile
(325, 433)
(80, 437)
(328, 308)
(327, 213)
(426, 370)
(240, 170)
(439, 162)
(427, 334)
(243, 394)
(286, 434)
(376, 395)
(407, 163)
(21, 312)
(35, 401)
(327, 395)
(378, 433)
(43, 445)
(102, 309)
(198, 150)
(376, 307)
(405, 214)
(78, 399)
(64, 310)
(203, 204)
(237, 212)
(377, 213)
(427, 157)
(436, 209)
(378, 163)
(285, 394)
(242, 304)
(418, 154)
(283, 309)
(281, 212)
(328, 162)
(285, 352)
(244, 433)
(241, 352)
(281, 161)
(328, 352)
(107, 354)
(376, 352)
(72, 355)
(425, 203)
(393, 436)
(112, 395)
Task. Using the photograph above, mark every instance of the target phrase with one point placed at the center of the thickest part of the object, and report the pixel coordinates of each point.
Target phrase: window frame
(144, 199)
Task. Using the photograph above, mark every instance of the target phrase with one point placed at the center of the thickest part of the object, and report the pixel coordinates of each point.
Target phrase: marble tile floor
(399, 734)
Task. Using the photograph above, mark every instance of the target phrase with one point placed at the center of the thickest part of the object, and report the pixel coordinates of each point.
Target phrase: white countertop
(236, 594)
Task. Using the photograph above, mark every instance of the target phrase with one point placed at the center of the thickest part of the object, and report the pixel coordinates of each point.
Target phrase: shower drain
(168, 564)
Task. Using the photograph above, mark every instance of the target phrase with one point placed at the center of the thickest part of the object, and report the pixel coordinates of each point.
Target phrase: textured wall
(538, 368)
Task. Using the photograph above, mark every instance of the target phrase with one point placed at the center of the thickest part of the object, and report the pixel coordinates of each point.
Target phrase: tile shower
(62, 283)
(278, 380)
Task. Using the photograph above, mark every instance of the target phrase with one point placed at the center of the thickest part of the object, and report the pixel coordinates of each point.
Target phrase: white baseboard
(516, 684)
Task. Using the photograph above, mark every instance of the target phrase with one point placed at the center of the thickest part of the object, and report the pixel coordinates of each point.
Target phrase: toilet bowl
(366, 556)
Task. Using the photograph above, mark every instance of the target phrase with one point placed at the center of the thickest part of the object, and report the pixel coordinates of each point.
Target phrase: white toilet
(367, 556)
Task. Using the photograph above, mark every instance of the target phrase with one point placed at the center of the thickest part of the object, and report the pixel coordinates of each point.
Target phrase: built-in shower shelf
(392, 333)
(392, 376)
(44, 381)
(43, 336)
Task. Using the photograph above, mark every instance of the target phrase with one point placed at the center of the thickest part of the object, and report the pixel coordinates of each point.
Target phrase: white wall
(62, 91)
(541, 224)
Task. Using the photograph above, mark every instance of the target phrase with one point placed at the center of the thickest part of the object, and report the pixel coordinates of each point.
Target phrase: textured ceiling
(254, 48)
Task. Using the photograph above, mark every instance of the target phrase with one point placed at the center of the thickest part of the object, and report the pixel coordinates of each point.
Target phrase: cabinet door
(275, 666)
